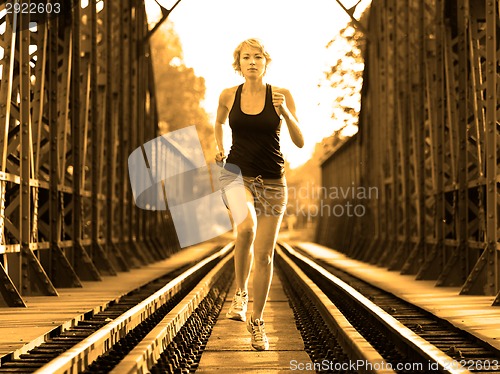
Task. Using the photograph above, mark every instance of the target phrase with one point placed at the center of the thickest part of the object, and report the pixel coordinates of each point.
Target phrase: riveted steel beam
(95, 140)
(375, 72)
(112, 125)
(164, 15)
(389, 118)
(67, 126)
(416, 100)
(404, 166)
(81, 259)
(33, 279)
(56, 260)
(9, 294)
(431, 101)
(126, 207)
(350, 13)
(484, 277)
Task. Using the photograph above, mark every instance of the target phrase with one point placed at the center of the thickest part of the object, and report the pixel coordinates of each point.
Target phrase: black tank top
(256, 139)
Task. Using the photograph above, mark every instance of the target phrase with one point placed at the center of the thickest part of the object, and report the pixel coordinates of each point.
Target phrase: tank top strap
(237, 98)
(269, 94)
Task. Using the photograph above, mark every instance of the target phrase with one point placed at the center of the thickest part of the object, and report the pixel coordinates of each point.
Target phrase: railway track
(117, 326)
(164, 327)
(443, 346)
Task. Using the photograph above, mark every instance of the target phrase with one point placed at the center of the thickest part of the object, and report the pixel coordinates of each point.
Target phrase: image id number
(33, 8)
(475, 365)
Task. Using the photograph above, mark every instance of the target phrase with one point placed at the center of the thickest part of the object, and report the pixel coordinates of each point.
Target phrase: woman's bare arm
(283, 100)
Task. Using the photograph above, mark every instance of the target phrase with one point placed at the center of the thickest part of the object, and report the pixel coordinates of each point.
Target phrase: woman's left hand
(279, 101)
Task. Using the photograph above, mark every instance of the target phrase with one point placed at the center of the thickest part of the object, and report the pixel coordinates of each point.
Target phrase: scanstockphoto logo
(170, 172)
(28, 14)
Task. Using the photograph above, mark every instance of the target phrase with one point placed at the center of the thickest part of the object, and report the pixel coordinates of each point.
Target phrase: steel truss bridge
(77, 96)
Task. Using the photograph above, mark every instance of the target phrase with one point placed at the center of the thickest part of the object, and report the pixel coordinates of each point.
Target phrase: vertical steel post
(34, 280)
(112, 127)
(492, 285)
(99, 255)
(10, 294)
(126, 122)
(83, 264)
(62, 274)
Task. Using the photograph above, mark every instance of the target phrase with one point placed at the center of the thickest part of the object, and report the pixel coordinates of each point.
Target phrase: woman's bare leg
(265, 241)
(246, 231)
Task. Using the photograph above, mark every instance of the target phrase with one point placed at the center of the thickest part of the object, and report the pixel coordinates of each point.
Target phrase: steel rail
(147, 352)
(353, 343)
(80, 356)
(427, 351)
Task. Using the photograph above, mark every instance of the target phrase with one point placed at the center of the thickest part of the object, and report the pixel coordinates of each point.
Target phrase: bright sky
(294, 32)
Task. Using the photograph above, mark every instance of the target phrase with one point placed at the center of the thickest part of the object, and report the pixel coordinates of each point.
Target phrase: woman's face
(252, 62)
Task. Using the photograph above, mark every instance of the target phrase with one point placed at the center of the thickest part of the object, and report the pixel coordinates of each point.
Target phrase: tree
(345, 77)
(179, 90)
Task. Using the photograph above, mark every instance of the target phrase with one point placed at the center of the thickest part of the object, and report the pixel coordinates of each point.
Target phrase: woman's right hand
(220, 157)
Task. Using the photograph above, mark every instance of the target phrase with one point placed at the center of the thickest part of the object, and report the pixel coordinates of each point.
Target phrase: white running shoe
(259, 337)
(238, 308)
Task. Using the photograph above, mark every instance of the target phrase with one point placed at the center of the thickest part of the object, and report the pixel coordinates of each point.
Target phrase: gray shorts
(270, 195)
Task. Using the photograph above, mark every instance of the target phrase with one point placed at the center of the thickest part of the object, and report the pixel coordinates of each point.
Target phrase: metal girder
(20, 116)
(404, 166)
(416, 100)
(95, 138)
(484, 277)
(350, 13)
(73, 97)
(32, 278)
(8, 291)
(126, 53)
(429, 130)
(138, 133)
(80, 89)
(375, 71)
(389, 184)
(57, 264)
(111, 123)
(145, 130)
(165, 13)
(432, 137)
(492, 149)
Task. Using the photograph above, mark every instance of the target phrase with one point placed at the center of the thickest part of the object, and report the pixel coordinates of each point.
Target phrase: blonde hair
(254, 43)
